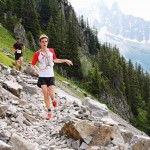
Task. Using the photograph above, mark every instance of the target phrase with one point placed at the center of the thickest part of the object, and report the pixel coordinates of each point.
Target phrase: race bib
(19, 51)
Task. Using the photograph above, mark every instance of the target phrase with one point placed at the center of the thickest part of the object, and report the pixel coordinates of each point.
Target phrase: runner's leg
(52, 92)
(21, 61)
(16, 64)
(46, 96)
(52, 95)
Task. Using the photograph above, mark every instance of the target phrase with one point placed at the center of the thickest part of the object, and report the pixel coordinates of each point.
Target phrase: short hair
(18, 37)
(42, 37)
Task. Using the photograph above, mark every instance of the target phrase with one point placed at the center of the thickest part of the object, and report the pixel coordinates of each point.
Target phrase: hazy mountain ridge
(117, 23)
(129, 33)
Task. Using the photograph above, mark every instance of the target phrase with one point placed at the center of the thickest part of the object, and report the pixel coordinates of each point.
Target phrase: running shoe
(49, 116)
(54, 102)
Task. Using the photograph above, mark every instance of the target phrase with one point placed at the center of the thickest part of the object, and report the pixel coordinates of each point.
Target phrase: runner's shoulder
(37, 53)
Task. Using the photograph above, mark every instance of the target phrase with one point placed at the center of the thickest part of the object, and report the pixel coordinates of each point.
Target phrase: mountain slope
(23, 124)
(106, 74)
(129, 33)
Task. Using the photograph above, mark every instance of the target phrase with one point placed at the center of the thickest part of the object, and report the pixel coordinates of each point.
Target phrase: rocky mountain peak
(115, 7)
(129, 33)
(101, 4)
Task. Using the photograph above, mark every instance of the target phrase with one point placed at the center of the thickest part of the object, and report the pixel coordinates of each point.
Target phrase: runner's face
(44, 43)
(18, 40)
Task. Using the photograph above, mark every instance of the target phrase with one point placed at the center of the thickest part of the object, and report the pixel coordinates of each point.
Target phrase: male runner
(46, 58)
(19, 48)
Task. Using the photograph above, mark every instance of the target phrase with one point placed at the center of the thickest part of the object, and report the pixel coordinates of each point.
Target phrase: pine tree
(103, 61)
(116, 74)
(146, 88)
(45, 13)
(81, 22)
(71, 51)
(3, 9)
(60, 26)
(51, 32)
(134, 94)
(54, 8)
(126, 78)
(19, 9)
(148, 117)
(9, 6)
(31, 22)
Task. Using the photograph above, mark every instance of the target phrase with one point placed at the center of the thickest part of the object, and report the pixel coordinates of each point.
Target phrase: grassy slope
(6, 60)
(6, 43)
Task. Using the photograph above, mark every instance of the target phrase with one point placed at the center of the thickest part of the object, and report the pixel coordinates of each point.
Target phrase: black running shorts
(45, 81)
(17, 56)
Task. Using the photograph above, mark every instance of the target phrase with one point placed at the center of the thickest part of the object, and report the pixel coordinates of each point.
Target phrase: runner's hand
(35, 72)
(68, 62)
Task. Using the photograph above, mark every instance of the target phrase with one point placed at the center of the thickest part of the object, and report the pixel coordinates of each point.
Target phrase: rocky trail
(78, 123)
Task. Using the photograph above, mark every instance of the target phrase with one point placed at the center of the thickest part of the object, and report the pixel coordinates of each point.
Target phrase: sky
(138, 8)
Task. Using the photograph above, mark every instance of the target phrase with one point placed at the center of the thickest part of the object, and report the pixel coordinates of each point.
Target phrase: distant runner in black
(18, 47)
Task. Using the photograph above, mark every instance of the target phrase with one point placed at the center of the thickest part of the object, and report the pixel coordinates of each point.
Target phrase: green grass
(6, 43)
(6, 60)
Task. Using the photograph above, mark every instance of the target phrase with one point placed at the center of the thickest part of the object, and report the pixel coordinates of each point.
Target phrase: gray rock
(66, 119)
(94, 148)
(69, 142)
(30, 118)
(4, 146)
(20, 119)
(97, 109)
(44, 148)
(3, 109)
(28, 88)
(19, 143)
(76, 144)
(28, 70)
(139, 142)
(127, 135)
(83, 146)
(88, 139)
(14, 102)
(13, 87)
(31, 81)
(14, 72)
(5, 136)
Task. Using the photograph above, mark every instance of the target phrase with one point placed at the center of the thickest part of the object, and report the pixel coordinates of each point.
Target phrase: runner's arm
(35, 69)
(23, 49)
(14, 49)
(33, 63)
(68, 62)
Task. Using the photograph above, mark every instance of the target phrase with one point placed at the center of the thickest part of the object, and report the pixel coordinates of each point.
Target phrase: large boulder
(92, 135)
(19, 143)
(97, 109)
(139, 142)
(13, 87)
